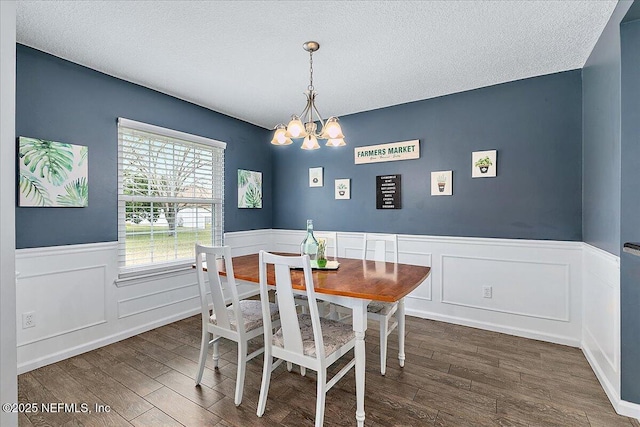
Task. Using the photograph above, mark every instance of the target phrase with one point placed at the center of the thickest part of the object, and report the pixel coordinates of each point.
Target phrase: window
(170, 196)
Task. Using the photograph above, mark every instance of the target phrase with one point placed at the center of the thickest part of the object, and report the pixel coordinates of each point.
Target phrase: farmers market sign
(404, 150)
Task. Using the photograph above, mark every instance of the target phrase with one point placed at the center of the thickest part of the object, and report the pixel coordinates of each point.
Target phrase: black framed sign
(388, 192)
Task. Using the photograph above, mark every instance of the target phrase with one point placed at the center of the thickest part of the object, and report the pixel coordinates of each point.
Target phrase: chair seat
(334, 334)
(251, 314)
(380, 307)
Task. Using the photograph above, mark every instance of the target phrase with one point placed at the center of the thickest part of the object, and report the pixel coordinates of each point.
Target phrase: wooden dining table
(353, 285)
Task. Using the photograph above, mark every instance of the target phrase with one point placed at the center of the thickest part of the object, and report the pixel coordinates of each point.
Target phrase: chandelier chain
(310, 87)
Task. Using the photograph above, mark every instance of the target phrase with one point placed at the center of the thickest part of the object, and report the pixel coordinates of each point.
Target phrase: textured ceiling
(245, 59)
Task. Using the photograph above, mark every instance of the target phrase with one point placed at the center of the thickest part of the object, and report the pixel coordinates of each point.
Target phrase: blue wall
(630, 212)
(601, 138)
(535, 124)
(61, 101)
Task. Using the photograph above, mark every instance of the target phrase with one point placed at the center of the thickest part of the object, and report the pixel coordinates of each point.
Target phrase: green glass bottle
(309, 245)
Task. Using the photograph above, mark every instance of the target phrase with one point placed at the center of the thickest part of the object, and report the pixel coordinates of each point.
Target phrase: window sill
(142, 276)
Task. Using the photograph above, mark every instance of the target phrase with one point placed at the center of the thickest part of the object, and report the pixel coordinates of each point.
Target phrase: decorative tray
(331, 265)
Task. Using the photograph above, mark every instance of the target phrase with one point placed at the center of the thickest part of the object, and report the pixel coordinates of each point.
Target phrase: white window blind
(170, 196)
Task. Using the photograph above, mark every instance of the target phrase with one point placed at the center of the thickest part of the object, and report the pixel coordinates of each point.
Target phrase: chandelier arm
(319, 116)
(306, 109)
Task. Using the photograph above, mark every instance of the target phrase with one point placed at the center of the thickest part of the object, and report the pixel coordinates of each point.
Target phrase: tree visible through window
(170, 194)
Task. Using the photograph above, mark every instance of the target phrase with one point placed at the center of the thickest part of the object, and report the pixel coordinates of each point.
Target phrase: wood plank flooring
(453, 376)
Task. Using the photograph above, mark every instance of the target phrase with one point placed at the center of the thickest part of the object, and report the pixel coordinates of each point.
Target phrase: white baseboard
(101, 342)
(520, 332)
(628, 409)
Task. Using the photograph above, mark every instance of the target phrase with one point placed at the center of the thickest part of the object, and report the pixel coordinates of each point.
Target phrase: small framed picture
(343, 189)
(315, 177)
(484, 164)
(442, 183)
(249, 189)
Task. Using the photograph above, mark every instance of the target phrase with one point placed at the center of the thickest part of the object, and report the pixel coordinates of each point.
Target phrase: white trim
(151, 271)
(8, 340)
(101, 342)
(66, 270)
(510, 330)
(170, 133)
(601, 278)
(142, 276)
(628, 409)
(622, 407)
(160, 292)
(546, 244)
(65, 249)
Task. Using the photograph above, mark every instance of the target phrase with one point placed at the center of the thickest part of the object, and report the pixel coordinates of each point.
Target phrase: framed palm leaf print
(52, 174)
(249, 189)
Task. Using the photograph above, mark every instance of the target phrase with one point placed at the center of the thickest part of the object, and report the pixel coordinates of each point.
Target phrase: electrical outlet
(28, 319)
(486, 291)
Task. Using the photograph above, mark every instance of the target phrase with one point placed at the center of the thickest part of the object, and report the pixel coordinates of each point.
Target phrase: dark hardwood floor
(454, 376)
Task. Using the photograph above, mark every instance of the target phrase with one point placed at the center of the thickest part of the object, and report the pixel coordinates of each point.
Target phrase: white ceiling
(245, 59)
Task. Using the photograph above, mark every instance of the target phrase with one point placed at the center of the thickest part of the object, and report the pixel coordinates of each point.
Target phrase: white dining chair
(383, 312)
(331, 237)
(307, 340)
(241, 321)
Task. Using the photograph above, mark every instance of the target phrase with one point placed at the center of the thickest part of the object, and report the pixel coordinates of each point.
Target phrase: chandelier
(330, 130)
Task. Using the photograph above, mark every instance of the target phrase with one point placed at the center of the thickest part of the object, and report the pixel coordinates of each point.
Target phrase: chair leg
(303, 370)
(204, 346)
(321, 396)
(216, 354)
(401, 331)
(242, 365)
(384, 326)
(289, 366)
(266, 378)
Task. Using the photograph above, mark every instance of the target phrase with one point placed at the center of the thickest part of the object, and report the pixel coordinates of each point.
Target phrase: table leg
(401, 329)
(359, 327)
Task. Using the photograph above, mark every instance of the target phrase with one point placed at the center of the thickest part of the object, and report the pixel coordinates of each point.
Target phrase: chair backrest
(213, 254)
(289, 321)
(332, 242)
(379, 244)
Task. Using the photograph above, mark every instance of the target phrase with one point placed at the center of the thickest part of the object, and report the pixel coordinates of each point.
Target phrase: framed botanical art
(442, 183)
(343, 189)
(249, 189)
(315, 177)
(52, 174)
(484, 164)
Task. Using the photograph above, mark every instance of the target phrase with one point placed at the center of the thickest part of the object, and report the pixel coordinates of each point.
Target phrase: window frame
(218, 189)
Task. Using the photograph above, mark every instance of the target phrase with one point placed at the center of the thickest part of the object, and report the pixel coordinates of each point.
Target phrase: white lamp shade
(310, 143)
(295, 128)
(280, 137)
(336, 142)
(332, 129)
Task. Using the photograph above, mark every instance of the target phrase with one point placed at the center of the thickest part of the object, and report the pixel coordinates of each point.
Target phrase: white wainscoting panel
(248, 242)
(78, 307)
(76, 287)
(601, 317)
(536, 289)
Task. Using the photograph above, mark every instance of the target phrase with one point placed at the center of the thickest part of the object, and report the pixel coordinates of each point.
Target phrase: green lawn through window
(146, 244)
